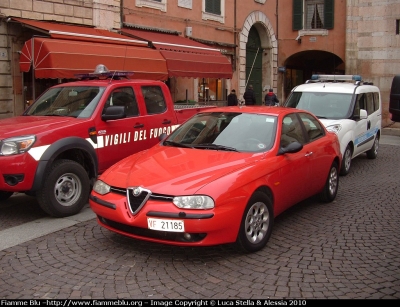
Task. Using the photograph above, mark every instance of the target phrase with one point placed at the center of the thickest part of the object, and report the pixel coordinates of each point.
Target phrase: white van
(347, 106)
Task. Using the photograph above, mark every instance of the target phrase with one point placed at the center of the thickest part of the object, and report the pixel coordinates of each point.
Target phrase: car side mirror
(291, 148)
(363, 114)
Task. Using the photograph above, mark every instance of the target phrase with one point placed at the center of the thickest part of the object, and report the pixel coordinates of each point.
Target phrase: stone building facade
(100, 13)
(373, 44)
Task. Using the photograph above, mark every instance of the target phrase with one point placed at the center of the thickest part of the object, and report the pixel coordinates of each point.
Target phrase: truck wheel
(5, 195)
(65, 189)
(346, 162)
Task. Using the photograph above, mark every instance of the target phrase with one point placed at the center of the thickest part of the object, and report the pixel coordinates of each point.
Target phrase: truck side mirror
(113, 112)
(162, 136)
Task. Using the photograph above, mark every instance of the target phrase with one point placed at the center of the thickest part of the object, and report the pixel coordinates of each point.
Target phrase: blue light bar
(336, 77)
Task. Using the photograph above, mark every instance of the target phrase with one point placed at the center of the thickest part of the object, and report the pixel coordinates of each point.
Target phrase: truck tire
(5, 195)
(65, 189)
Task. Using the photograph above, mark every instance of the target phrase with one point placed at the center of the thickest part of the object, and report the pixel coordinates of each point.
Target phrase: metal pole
(252, 67)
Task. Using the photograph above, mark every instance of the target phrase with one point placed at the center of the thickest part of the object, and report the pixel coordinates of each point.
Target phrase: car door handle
(138, 125)
(308, 153)
(166, 122)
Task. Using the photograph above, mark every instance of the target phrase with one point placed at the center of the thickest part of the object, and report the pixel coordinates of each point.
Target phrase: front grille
(138, 196)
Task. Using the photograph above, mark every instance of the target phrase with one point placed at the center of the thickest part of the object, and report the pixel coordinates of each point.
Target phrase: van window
(376, 101)
(370, 103)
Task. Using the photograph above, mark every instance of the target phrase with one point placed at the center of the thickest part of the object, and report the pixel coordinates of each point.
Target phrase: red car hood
(172, 170)
(23, 125)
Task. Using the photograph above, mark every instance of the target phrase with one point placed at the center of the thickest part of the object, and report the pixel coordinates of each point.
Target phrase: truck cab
(75, 131)
(346, 106)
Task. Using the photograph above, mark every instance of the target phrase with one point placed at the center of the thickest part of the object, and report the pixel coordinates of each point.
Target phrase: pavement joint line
(23, 233)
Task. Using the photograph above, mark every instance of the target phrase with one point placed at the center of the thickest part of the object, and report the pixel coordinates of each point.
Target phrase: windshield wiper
(172, 143)
(214, 146)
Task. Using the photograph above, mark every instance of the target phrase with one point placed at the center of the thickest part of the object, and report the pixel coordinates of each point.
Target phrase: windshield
(323, 105)
(229, 131)
(77, 102)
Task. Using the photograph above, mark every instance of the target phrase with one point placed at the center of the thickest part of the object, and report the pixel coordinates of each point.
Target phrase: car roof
(335, 87)
(265, 110)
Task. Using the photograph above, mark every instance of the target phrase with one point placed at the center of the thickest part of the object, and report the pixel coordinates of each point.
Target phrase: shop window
(211, 90)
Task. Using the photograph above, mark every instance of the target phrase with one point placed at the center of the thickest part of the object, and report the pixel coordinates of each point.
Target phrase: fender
(56, 149)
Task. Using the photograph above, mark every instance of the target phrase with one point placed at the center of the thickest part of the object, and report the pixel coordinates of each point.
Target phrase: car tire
(331, 187)
(257, 222)
(346, 162)
(65, 190)
(5, 195)
(373, 152)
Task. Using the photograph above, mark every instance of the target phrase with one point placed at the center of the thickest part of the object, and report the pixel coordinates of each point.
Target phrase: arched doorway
(260, 35)
(302, 65)
(254, 53)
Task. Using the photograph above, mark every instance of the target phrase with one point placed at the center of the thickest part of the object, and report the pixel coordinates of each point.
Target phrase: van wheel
(331, 187)
(65, 189)
(373, 152)
(5, 195)
(257, 221)
(346, 162)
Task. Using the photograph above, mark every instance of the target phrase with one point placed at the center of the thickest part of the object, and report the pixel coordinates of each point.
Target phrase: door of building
(254, 64)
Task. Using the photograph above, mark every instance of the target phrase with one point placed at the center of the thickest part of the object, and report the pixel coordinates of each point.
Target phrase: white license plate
(166, 225)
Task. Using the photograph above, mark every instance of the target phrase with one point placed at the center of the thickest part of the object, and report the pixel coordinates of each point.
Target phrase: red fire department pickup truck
(74, 131)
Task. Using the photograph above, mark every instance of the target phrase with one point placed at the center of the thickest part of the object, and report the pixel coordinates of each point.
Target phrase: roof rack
(102, 72)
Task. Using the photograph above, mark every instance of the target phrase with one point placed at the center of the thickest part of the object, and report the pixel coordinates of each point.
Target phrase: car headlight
(194, 202)
(101, 187)
(334, 128)
(16, 145)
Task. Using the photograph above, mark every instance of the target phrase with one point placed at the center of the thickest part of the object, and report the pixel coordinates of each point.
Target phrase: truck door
(116, 137)
(157, 112)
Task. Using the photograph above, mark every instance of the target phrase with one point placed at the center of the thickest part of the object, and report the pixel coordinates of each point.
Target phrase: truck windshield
(78, 102)
(323, 105)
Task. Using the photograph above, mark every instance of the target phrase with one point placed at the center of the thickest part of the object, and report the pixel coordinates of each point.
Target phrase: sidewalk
(392, 129)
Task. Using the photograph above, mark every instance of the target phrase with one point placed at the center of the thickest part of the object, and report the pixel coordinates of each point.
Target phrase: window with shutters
(214, 10)
(313, 14)
(154, 4)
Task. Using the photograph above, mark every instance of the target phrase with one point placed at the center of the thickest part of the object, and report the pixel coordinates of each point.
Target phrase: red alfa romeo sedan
(221, 177)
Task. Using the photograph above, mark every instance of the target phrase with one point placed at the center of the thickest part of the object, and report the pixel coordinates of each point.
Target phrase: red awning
(185, 57)
(58, 58)
(84, 33)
